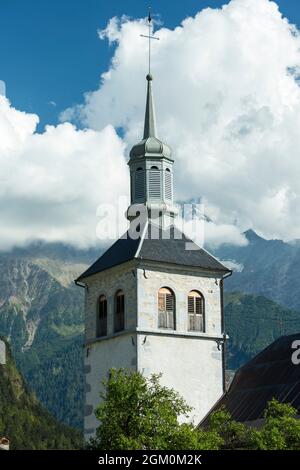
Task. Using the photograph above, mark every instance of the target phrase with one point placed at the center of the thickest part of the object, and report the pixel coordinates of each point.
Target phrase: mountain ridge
(41, 311)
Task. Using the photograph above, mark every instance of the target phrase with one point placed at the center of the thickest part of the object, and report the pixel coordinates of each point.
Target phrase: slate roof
(177, 249)
(270, 374)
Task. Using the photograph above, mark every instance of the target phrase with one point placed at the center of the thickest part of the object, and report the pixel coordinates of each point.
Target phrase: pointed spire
(150, 119)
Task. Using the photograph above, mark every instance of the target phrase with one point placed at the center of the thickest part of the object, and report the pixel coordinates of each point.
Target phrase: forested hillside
(265, 267)
(24, 421)
(41, 312)
(254, 322)
(41, 315)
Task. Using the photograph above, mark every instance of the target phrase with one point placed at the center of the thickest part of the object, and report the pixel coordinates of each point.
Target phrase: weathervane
(149, 37)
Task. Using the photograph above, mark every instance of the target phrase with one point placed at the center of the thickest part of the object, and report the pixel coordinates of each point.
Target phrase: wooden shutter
(119, 311)
(169, 302)
(102, 317)
(166, 309)
(190, 304)
(196, 311)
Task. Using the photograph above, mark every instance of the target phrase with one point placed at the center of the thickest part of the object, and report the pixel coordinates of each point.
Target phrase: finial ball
(149, 77)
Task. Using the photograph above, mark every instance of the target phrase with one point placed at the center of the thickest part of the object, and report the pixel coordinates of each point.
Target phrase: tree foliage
(281, 429)
(136, 412)
(139, 413)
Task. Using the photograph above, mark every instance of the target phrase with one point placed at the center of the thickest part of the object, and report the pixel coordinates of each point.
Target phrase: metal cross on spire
(149, 37)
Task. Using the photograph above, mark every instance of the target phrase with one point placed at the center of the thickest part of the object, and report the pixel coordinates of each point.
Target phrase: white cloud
(228, 103)
(233, 265)
(52, 183)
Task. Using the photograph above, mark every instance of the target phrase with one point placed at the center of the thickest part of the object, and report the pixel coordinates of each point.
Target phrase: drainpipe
(81, 285)
(223, 329)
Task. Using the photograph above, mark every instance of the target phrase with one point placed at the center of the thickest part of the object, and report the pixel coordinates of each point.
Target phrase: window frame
(100, 331)
(119, 311)
(196, 318)
(166, 316)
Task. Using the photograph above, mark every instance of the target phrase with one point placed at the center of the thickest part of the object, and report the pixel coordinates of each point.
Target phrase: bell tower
(154, 304)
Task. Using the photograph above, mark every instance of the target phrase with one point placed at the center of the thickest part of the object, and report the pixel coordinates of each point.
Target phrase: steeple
(151, 165)
(150, 144)
(150, 118)
(151, 171)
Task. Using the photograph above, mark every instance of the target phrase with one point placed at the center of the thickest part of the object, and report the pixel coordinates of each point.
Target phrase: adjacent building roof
(270, 374)
(172, 247)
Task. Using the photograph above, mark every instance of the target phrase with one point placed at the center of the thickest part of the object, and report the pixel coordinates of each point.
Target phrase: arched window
(119, 322)
(196, 311)
(168, 184)
(139, 184)
(154, 183)
(166, 308)
(102, 316)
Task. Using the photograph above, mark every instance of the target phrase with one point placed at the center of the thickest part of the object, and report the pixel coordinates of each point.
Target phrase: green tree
(234, 435)
(139, 413)
(281, 429)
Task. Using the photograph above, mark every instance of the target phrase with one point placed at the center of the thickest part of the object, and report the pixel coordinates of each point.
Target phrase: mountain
(41, 311)
(41, 315)
(265, 267)
(24, 421)
(252, 323)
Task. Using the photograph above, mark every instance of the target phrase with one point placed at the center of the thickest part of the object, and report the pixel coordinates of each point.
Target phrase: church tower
(151, 172)
(154, 301)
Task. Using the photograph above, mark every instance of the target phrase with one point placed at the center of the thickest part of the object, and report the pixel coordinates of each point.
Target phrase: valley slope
(41, 311)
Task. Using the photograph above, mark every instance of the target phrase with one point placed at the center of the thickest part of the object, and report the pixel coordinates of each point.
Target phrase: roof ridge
(142, 239)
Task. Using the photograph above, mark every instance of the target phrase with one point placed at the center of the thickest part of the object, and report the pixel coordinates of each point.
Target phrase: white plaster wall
(116, 352)
(192, 366)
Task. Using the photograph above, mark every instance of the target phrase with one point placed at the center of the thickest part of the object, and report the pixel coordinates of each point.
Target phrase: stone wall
(190, 362)
(181, 281)
(108, 283)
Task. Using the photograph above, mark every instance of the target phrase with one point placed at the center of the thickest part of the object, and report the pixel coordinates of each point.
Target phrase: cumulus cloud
(52, 183)
(228, 102)
(233, 265)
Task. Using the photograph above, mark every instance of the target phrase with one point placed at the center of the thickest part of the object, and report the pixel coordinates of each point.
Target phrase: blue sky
(227, 99)
(50, 51)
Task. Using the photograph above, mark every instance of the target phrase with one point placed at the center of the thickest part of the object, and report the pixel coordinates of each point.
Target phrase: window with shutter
(102, 317)
(139, 184)
(119, 320)
(166, 308)
(154, 183)
(168, 184)
(196, 311)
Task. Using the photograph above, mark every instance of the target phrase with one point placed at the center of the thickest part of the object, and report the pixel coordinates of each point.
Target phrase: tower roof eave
(171, 250)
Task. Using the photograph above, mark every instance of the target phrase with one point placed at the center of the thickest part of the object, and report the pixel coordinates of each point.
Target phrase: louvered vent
(139, 184)
(154, 183)
(168, 184)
